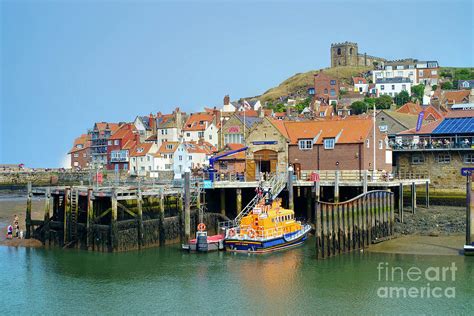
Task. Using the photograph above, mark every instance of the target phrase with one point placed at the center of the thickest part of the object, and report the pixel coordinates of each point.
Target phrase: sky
(67, 64)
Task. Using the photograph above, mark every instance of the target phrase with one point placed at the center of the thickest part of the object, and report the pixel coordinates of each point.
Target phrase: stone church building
(347, 54)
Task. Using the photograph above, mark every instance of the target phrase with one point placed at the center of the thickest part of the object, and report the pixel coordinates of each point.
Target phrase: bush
(448, 85)
(358, 107)
(383, 102)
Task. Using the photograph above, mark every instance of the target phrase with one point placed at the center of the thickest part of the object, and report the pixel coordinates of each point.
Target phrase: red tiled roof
(165, 150)
(425, 129)
(410, 108)
(194, 122)
(460, 113)
(123, 131)
(84, 140)
(457, 96)
(356, 80)
(145, 148)
(280, 125)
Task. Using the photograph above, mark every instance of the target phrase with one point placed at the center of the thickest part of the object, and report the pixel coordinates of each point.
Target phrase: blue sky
(68, 64)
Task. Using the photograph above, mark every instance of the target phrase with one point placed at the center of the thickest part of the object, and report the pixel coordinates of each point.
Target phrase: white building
(163, 158)
(392, 86)
(200, 127)
(401, 71)
(191, 155)
(360, 85)
(141, 159)
(169, 127)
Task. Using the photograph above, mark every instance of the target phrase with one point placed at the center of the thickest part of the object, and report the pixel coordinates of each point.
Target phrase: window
(393, 87)
(142, 168)
(325, 91)
(434, 72)
(190, 157)
(404, 87)
(333, 92)
(322, 114)
(125, 166)
(305, 144)
(116, 142)
(443, 158)
(465, 84)
(380, 144)
(329, 143)
(333, 82)
(168, 166)
(169, 147)
(109, 143)
(165, 156)
(400, 73)
(80, 146)
(417, 159)
(233, 139)
(148, 158)
(389, 74)
(133, 159)
(170, 155)
(141, 159)
(420, 73)
(367, 143)
(210, 136)
(76, 155)
(149, 168)
(180, 158)
(382, 87)
(200, 134)
(188, 134)
(339, 51)
(468, 158)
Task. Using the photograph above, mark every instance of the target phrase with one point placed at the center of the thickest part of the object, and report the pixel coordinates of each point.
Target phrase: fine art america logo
(433, 280)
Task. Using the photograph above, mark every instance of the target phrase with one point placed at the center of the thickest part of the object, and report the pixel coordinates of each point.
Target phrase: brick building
(119, 145)
(232, 164)
(81, 152)
(326, 88)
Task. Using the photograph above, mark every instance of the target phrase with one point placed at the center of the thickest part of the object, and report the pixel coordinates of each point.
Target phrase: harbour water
(166, 280)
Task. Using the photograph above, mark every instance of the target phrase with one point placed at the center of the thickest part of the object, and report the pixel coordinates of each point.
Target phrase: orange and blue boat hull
(256, 246)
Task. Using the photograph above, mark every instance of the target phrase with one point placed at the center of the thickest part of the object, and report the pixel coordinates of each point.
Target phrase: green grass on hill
(299, 83)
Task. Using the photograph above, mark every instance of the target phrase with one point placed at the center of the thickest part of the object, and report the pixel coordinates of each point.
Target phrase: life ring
(201, 227)
(251, 233)
(231, 232)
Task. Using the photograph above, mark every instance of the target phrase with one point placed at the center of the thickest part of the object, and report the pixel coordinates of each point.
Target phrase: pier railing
(354, 224)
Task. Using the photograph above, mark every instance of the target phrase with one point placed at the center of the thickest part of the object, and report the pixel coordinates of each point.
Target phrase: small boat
(267, 228)
(203, 242)
(469, 250)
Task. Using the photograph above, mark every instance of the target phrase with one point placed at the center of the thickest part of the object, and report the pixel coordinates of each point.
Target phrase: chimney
(177, 118)
(261, 113)
(137, 138)
(151, 122)
(226, 100)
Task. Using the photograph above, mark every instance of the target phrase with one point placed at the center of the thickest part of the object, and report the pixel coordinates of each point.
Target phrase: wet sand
(451, 245)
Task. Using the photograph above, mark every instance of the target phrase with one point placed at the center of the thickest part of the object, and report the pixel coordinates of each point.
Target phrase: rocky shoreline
(435, 221)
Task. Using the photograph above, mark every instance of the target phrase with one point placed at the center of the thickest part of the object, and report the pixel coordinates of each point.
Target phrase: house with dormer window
(200, 126)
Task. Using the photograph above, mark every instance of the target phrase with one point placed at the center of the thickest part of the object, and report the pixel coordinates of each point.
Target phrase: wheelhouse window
(329, 143)
(305, 144)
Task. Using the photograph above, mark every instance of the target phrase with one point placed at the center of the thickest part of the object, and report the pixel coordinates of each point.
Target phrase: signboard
(419, 123)
(315, 177)
(98, 178)
(265, 142)
(234, 129)
(467, 171)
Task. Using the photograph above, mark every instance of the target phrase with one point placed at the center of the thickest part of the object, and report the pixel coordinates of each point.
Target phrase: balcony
(432, 143)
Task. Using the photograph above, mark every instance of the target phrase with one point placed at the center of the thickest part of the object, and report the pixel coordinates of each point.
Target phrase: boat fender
(201, 227)
(231, 232)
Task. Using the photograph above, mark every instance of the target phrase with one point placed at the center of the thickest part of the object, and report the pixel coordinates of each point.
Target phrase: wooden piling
(364, 181)
(413, 198)
(222, 200)
(113, 223)
(336, 186)
(162, 220)
(89, 218)
(67, 214)
(28, 211)
(238, 200)
(400, 202)
(309, 204)
(469, 209)
(187, 206)
(140, 229)
(47, 216)
(427, 194)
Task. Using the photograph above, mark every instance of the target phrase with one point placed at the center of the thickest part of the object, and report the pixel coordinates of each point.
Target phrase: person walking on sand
(9, 232)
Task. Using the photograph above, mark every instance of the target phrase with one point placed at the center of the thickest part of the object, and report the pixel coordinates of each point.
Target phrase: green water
(166, 280)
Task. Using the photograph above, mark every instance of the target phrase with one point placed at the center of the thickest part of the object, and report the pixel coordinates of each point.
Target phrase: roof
(280, 126)
(425, 129)
(359, 80)
(164, 148)
(460, 113)
(457, 96)
(123, 131)
(102, 126)
(146, 121)
(197, 122)
(84, 140)
(407, 120)
(249, 120)
(458, 125)
(410, 108)
(141, 149)
(249, 113)
(393, 80)
(346, 131)
(229, 147)
(199, 148)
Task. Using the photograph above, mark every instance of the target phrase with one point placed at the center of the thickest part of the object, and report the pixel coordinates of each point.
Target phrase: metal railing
(432, 143)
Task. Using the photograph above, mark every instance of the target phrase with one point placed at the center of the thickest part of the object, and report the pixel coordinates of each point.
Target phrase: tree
(383, 102)
(418, 91)
(402, 98)
(434, 87)
(463, 74)
(448, 85)
(302, 105)
(358, 107)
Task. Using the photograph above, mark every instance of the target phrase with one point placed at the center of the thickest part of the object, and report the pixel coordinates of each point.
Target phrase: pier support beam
(28, 212)
(413, 197)
(364, 182)
(317, 192)
(336, 187)
(309, 204)
(239, 200)
(291, 204)
(469, 211)
(140, 218)
(162, 219)
(427, 194)
(89, 218)
(67, 214)
(187, 206)
(47, 210)
(222, 200)
(113, 223)
(400, 202)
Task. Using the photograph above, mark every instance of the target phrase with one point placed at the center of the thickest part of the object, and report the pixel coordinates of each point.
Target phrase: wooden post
(113, 223)
(291, 204)
(239, 200)
(47, 210)
(67, 214)
(187, 206)
(89, 218)
(400, 202)
(28, 211)
(140, 228)
(336, 187)
(309, 204)
(317, 223)
(162, 236)
(317, 191)
(427, 195)
(198, 204)
(364, 183)
(413, 197)
(222, 200)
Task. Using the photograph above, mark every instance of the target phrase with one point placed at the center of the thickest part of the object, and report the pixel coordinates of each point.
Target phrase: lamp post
(375, 142)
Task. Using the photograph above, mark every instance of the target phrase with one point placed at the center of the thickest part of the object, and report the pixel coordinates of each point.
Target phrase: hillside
(298, 84)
